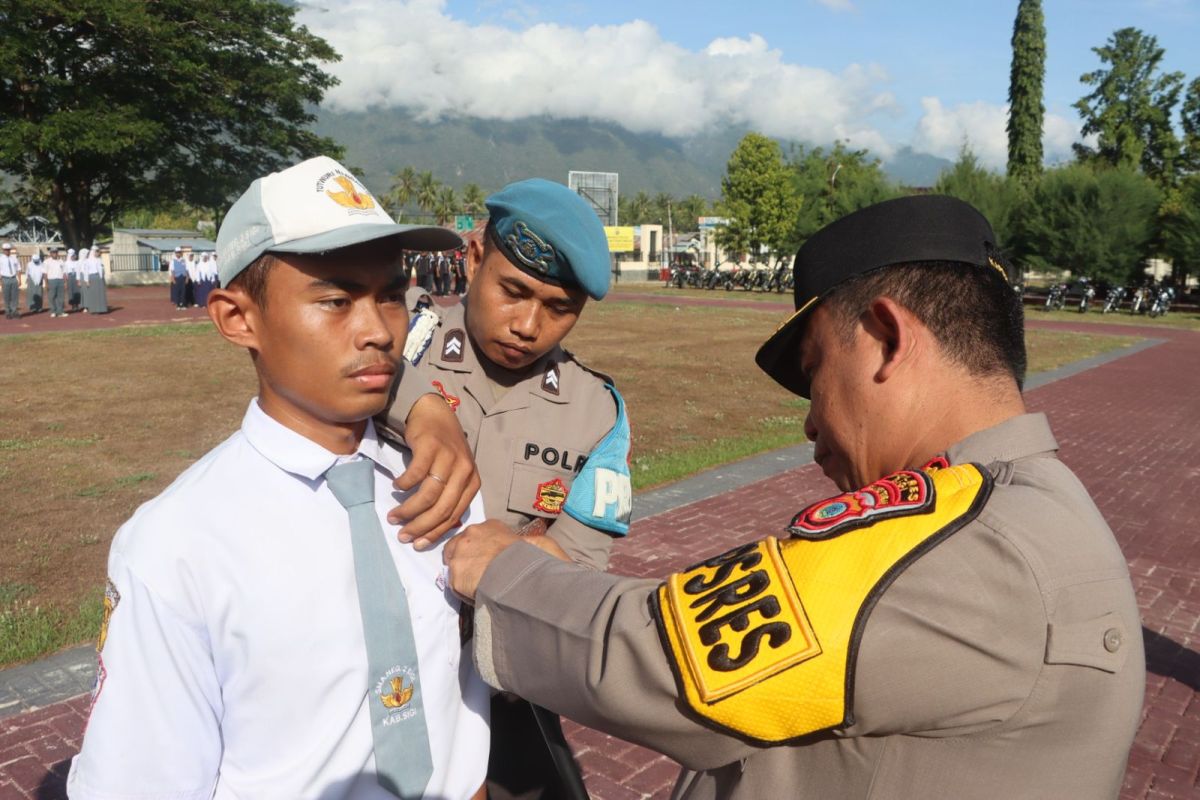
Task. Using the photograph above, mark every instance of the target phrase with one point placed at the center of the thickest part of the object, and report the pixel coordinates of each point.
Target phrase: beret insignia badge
(532, 250)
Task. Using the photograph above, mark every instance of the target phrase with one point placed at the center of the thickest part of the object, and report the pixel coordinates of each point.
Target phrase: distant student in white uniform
(284, 643)
(10, 280)
(35, 276)
(55, 289)
(96, 295)
(74, 280)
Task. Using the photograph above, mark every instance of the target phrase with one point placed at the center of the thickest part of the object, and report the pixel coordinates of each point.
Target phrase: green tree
(688, 212)
(1180, 220)
(1190, 123)
(428, 189)
(636, 210)
(829, 185)
(758, 198)
(473, 199)
(445, 205)
(404, 188)
(1025, 110)
(996, 197)
(110, 103)
(1098, 222)
(1130, 108)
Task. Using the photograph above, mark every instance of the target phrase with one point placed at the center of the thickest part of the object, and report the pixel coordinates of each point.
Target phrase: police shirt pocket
(1101, 643)
(537, 492)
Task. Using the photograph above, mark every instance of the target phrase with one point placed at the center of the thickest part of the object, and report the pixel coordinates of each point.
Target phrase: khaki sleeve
(955, 645)
(412, 385)
(585, 545)
(583, 643)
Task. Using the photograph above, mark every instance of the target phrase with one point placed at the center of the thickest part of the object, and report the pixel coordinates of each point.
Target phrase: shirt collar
(299, 455)
(1019, 437)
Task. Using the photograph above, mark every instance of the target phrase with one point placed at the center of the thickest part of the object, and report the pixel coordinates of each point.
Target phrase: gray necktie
(394, 688)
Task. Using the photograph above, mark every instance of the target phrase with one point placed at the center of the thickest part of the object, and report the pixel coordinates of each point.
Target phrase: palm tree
(473, 199)
(640, 209)
(445, 205)
(404, 189)
(427, 191)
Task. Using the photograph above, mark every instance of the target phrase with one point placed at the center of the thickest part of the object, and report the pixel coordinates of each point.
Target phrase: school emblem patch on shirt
(550, 496)
(904, 492)
(452, 345)
(395, 691)
(451, 400)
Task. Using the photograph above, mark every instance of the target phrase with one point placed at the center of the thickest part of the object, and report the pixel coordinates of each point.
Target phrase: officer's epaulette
(763, 639)
(569, 356)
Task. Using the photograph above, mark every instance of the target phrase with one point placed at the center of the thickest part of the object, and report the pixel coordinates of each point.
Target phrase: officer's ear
(475, 255)
(894, 333)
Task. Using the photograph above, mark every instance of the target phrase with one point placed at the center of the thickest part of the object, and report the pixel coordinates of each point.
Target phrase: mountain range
(491, 153)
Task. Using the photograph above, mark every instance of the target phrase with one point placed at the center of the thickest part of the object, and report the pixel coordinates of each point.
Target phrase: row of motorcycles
(751, 279)
(1152, 299)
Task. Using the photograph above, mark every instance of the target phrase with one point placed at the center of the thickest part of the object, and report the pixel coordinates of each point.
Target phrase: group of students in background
(438, 273)
(53, 282)
(193, 276)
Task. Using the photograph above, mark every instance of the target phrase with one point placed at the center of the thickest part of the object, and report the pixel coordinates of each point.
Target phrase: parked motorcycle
(1056, 300)
(1113, 301)
(1085, 300)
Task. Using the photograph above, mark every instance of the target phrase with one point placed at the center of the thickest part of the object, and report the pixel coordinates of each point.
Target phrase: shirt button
(1112, 640)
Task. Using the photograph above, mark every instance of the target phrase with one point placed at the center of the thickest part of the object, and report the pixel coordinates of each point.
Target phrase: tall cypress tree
(1025, 111)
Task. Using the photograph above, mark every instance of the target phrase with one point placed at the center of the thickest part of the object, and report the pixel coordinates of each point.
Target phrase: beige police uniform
(1005, 661)
(530, 439)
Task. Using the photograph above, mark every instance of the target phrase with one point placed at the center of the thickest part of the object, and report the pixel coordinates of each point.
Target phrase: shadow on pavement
(1170, 659)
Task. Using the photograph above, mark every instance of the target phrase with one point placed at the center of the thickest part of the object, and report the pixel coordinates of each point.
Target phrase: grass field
(98, 422)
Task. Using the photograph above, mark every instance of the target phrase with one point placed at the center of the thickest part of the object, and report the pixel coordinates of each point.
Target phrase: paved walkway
(1127, 424)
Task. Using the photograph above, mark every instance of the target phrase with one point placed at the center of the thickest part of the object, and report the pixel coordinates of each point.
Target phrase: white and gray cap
(314, 207)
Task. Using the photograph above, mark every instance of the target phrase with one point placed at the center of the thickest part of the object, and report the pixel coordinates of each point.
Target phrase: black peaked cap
(900, 231)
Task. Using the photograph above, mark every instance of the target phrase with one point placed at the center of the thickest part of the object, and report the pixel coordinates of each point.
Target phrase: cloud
(838, 5)
(412, 53)
(982, 126)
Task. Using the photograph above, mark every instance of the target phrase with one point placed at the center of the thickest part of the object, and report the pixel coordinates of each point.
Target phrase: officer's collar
(1018, 437)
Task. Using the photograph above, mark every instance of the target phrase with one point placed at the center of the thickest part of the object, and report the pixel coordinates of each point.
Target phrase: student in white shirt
(35, 275)
(74, 279)
(233, 661)
(96, 292)
(55, 273)
(10, 280)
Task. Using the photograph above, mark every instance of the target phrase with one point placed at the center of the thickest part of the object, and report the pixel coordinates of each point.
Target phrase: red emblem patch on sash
(550, 496)
(904, 492)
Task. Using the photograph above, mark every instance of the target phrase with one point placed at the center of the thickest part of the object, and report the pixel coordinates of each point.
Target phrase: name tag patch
(739, 620)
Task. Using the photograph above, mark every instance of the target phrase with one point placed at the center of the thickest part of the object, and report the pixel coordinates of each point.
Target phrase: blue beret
(551, 233)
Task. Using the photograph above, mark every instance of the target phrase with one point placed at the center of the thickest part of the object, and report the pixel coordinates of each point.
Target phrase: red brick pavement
(1128, 428)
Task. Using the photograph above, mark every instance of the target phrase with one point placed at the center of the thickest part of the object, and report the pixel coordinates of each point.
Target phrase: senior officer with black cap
(958, 623)
(550, 436)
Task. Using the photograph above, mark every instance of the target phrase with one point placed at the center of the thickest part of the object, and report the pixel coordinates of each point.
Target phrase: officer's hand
(443, 467)
(469, 554)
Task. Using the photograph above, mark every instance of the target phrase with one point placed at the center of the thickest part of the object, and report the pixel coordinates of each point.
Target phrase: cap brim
(408, 237)
(779, 356)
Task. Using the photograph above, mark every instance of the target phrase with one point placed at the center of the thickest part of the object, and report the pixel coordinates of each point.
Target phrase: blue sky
(878, 74)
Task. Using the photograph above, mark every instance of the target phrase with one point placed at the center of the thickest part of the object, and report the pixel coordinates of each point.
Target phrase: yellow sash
(763, 639)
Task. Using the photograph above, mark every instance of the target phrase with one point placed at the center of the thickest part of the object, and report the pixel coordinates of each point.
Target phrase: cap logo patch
(350, 197)
(532, 250)
(452, 346)
(550, 496)
(550, 380)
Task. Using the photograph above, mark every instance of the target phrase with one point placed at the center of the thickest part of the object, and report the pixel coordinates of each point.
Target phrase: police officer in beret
(957, 623)
(549, 435)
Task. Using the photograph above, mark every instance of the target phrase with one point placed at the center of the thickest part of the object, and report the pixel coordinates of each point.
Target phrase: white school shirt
(54, 269)
(93, 266)
(234, 664)
(191, 269)
(9, 266)
(34, 271)
(72, 267)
